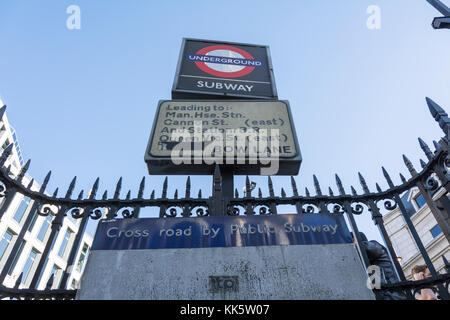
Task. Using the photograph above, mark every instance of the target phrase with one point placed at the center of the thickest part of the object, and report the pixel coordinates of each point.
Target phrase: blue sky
(83, 101)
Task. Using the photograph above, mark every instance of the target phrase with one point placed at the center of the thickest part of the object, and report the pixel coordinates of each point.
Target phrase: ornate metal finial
(363, 183)
(317, 185)
(141, 188)
(425, 149)
(187, 193)
(378, 187)
(118, 187)
(402, 177)
(439, 115)
(409, 165)
(339, 185)
(294, 187)
(164, 190)
(23, 171)
(437, 146)
(30, 184)
(388, 178)
(71, 187)
(307, 192)
(423, 164)
(46, 180)
(6, 153)
(330, 192)
(270, 184)
(248, 189)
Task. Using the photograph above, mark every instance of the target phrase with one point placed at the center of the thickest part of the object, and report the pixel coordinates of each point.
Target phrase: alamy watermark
(218, 146)
(73, 22)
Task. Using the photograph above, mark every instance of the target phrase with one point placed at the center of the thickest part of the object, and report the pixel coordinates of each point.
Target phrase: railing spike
(95, 188)
(6, 153)
(141, 188)
(317, 185)
(353, 191)
(439, 115)
(330, 191)
(152, 196)
(30, 184)
(128, 195)
(175, 196)
(363, 183)
(236, 193)
(80, 196)
(55, 194)
(188, 188)
(200, 193)
(339, 185)
(248, 191)
(270, 185)
(423, 164)
(23, 170)
(402, 177)
(437, 146)
(8, 170)
(409, 165)
(118, 188)
(105, 195)
(378, 187)
(426, 149)
(164, 190)
(294, 187)
(388, 178)
(307, 192)
(283, 193)
(259, 193)
(46, 180)
(71, 187)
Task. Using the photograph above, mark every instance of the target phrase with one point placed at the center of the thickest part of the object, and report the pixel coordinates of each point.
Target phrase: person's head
(420, 272)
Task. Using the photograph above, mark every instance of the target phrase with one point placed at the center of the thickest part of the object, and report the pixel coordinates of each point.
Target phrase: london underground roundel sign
(224, 61)
(208, 68)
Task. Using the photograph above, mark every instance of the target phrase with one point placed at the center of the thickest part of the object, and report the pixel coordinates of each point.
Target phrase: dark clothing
(379, 256)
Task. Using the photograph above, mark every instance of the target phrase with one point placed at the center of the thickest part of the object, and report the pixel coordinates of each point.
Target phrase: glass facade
(44, 228)
(4, 243)
(436, 231)
(64, 243)
(21, 209)
(420, 200)
(83, 256)
(28, 265)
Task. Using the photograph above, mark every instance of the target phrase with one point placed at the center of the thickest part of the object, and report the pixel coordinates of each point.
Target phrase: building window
(6, 144)
(82, 259)
(21, 209)
(56, 279)
(4, 243)
(436, 231)
(33, 221)
(16, 258)
(420, 201)
(44, 228)
(28, 265)
(64, 243)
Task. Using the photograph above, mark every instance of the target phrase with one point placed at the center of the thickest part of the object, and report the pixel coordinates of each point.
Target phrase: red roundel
(225, 70)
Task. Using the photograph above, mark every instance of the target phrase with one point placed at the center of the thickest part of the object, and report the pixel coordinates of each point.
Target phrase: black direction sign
(223, 69)
(247, 136)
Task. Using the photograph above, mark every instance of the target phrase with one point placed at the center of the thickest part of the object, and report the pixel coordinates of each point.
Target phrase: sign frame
(164, 166)
(198, 94)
